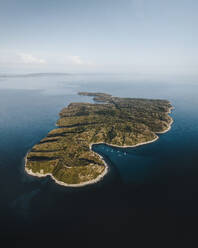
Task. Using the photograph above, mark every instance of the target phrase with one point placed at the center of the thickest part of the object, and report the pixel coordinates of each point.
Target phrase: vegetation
(65, 151)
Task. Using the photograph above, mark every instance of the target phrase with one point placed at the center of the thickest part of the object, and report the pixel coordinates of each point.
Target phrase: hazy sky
(136, 36)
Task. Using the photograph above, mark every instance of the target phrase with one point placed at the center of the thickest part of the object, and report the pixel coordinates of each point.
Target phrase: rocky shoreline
(82, 125)
(100, 177)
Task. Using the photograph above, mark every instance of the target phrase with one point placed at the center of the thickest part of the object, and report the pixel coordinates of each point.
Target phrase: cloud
(77, 60)
(19, 58)
(30, 59)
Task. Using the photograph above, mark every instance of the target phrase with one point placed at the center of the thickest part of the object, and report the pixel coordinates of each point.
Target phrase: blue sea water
(154, 183)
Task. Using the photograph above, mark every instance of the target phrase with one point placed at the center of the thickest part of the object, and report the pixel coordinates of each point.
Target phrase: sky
(141, 37)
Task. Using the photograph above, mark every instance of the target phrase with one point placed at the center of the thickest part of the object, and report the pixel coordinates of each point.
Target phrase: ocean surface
(150, 192)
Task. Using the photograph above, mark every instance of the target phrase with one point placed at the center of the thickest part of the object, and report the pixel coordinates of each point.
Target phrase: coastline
(142, 143)
(97, 179)
(138, 144)
(168, 128)
(101, 176)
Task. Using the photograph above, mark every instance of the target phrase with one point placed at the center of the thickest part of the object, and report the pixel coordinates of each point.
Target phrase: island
(66, 152)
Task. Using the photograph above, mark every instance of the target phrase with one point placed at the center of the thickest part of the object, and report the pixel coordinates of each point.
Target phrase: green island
(66, 152)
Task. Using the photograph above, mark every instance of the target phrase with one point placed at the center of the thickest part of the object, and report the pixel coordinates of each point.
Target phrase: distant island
(42, 74)
(66, 152)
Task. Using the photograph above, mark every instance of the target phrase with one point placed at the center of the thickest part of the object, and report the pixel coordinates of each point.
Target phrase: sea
(149, 196)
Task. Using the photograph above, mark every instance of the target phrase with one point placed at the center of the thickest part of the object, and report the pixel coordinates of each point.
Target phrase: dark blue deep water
(150, 194)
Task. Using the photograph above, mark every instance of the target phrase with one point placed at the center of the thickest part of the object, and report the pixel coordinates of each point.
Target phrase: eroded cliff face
(65, 153)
